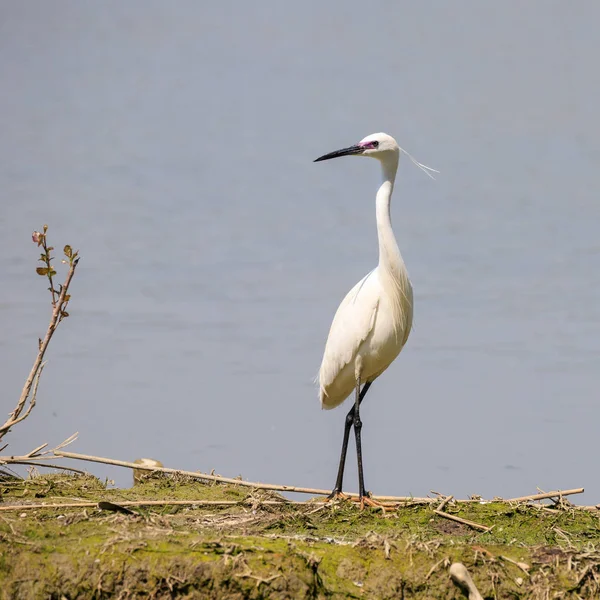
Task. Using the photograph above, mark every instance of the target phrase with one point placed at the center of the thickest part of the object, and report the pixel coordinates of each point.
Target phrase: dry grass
(182, 538)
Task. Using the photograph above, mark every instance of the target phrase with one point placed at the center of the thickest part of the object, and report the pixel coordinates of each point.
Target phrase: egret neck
(389, 253)
(392, 271)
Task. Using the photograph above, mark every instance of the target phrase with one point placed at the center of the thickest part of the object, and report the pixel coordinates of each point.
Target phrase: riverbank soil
(222, 542)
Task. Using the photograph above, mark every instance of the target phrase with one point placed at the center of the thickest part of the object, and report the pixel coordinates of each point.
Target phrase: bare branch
(36, 454)
(59, 303)
(15, 414)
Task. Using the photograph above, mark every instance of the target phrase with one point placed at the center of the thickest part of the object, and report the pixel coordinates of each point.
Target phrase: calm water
(174, 148)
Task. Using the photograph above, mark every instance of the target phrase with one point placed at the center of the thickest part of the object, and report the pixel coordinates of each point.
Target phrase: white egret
(373, 322)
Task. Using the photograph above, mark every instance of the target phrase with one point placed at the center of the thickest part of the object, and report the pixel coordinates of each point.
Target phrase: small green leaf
(67, 297)
(42, 271)
(68, 251)
(52, 272)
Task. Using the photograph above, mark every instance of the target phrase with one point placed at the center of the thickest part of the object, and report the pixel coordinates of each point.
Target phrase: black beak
(343, 152)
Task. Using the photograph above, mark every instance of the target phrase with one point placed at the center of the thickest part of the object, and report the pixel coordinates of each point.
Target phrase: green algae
(290, 551)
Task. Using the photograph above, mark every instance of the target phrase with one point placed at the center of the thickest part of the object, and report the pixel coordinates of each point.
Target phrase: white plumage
(369, 329)
(373, 322)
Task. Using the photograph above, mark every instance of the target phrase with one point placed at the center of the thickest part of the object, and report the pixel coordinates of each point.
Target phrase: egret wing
(353, 322)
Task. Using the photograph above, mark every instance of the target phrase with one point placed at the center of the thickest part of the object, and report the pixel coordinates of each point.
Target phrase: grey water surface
(172, 143)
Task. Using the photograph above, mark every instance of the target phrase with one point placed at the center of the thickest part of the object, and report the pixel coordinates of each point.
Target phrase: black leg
(357, 429)
(348, 425)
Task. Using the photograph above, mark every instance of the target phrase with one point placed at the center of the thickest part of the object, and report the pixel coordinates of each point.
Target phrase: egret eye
(375, 144)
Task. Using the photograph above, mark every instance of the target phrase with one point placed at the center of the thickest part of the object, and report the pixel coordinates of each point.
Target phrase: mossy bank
(258, 549)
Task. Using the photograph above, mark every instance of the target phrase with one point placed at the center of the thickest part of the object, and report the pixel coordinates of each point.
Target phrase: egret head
(376, 145)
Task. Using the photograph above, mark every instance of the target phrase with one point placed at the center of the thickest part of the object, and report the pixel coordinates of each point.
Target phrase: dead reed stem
(284, 488)
(240, 482)
(544, 496)
(24, 507)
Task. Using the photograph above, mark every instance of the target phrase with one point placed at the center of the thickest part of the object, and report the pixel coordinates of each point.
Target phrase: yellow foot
(337, 496)
(368, 501)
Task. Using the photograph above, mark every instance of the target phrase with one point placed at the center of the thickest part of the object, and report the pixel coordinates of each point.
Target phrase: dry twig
(463, 521)
(545, 495)
(444, 561)
(523, 566)
(440, 512)
(444, 502)
(39, 454)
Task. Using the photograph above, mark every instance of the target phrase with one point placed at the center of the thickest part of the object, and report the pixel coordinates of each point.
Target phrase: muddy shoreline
(224, 541)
